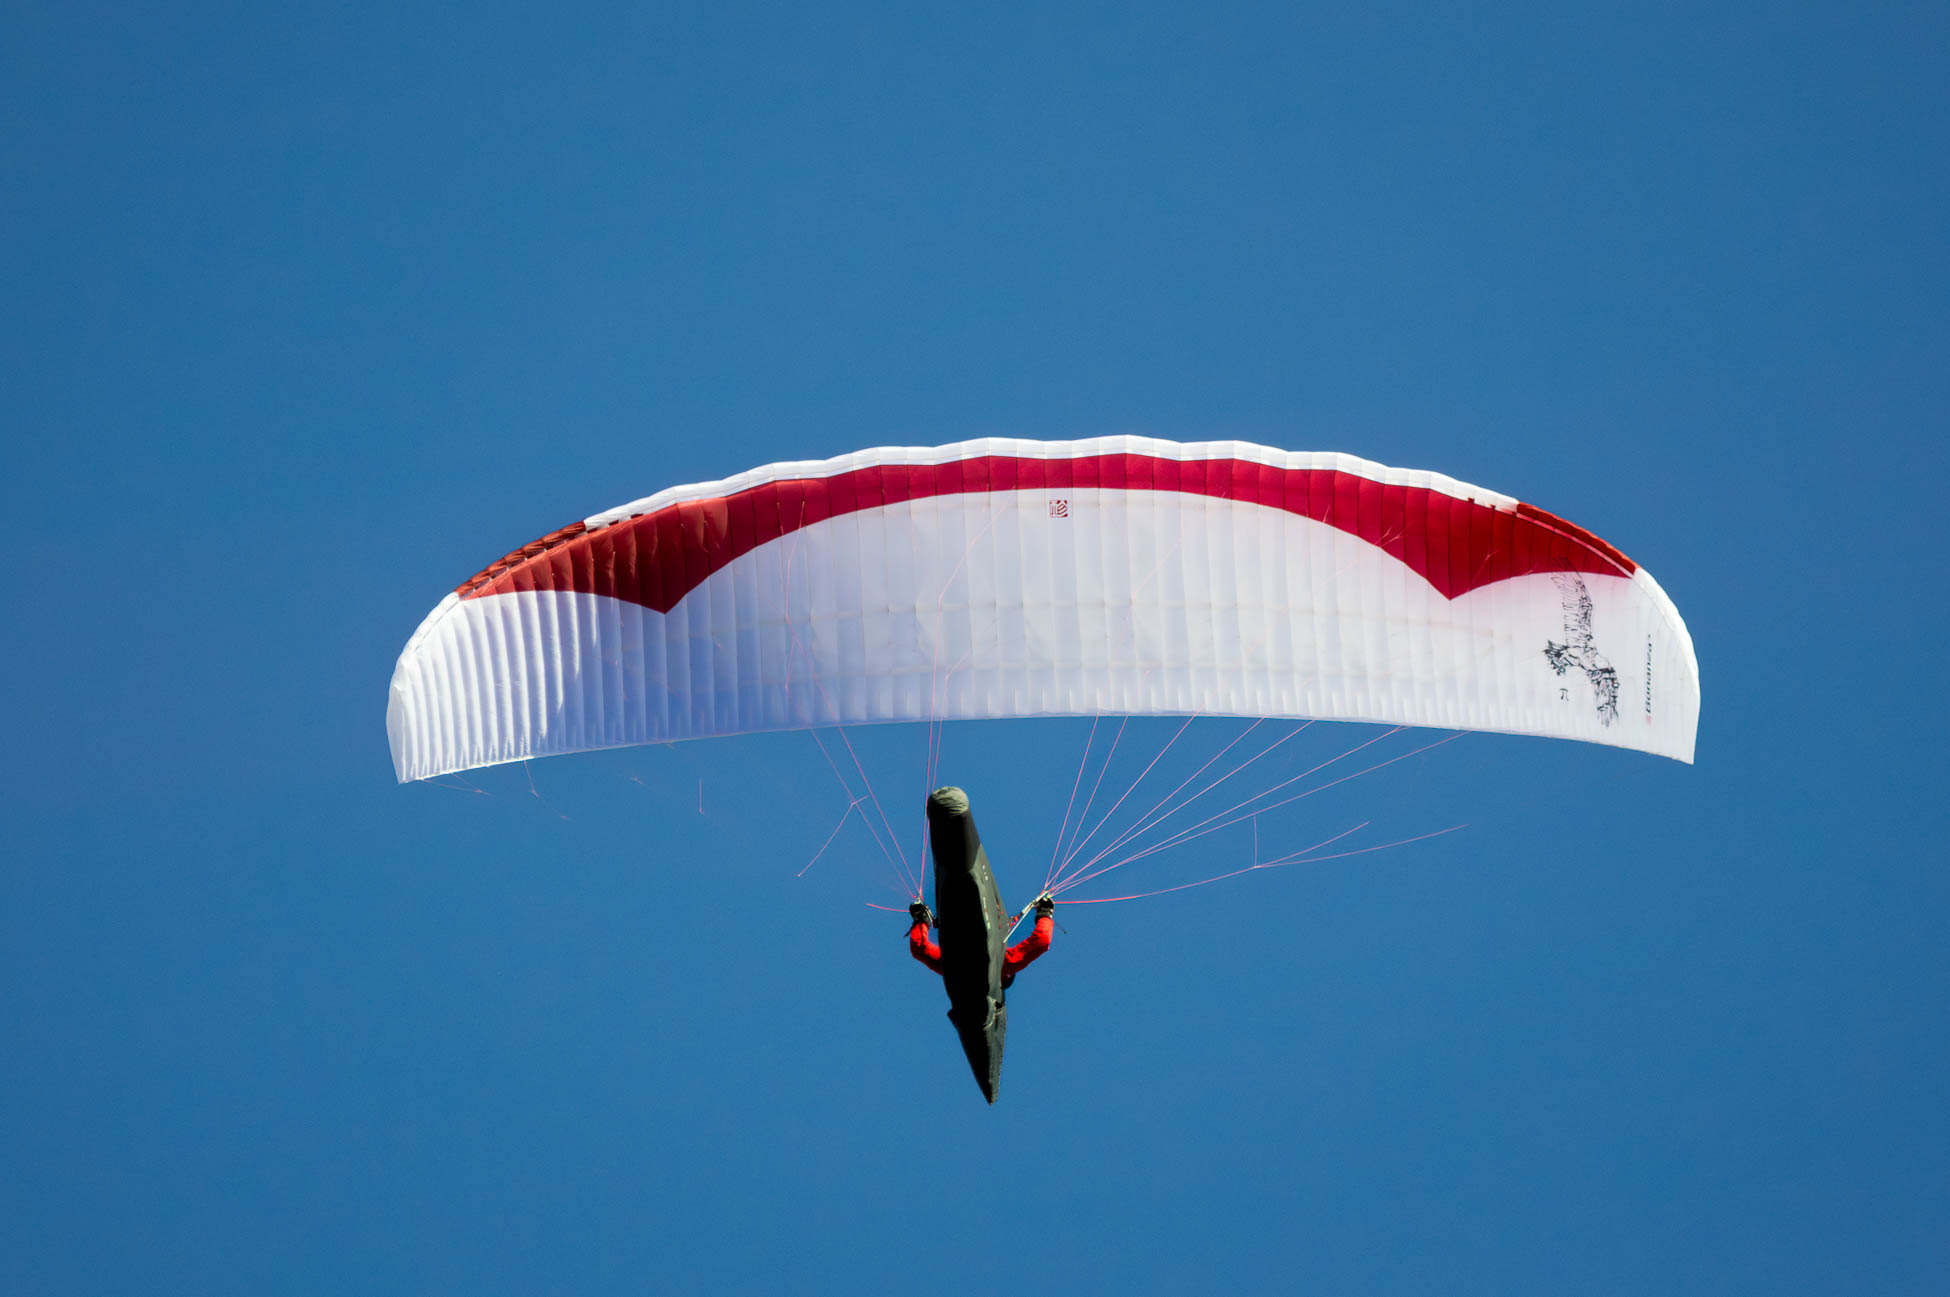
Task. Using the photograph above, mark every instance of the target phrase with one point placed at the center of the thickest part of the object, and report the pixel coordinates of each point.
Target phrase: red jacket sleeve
(1028, 950)
(924, 950)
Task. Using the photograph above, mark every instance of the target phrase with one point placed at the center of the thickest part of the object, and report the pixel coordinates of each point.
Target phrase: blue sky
(314, 309)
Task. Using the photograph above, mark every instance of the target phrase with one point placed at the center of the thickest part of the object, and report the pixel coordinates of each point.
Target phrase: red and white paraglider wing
(1005, 578)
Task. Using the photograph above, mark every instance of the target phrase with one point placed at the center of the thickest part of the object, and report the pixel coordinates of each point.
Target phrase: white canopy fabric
(1005, 578)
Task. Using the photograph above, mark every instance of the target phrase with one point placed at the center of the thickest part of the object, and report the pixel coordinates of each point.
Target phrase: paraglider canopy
(1004, 578)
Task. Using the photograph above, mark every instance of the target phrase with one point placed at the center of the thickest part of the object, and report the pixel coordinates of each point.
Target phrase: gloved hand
(1045, 905)
(921, 914)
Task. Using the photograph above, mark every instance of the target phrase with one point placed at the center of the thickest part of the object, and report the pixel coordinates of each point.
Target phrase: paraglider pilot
(975, 967)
